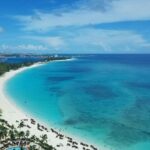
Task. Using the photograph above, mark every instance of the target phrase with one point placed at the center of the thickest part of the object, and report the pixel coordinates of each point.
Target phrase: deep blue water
(102, 98)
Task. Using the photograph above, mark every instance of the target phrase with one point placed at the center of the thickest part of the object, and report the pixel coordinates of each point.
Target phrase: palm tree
(11, 135)
(27, 134)
(3, 132)
(33, 147)
(42, 141)
(0, 112)
(33, 138)
(3, 122)
(21, 134)
(44, 138)
(45, 146)
(21, 125)
(12, 127)
(16, 133)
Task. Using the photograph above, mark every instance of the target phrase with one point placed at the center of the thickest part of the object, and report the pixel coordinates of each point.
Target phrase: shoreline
(11, 113)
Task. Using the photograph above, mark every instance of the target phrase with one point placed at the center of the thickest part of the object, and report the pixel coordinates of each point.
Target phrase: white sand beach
(11, 113)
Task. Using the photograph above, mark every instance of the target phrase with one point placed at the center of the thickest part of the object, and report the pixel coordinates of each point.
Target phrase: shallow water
(102, 98)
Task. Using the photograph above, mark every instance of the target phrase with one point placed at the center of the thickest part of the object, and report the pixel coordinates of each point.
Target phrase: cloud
(1, 29)
(54, 42)
(92, 40)
(98, 5)
(109, 41)
(83, 40)
(94, 12)
(22, 48)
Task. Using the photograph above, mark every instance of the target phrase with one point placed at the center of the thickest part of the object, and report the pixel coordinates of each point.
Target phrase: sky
(75, 26)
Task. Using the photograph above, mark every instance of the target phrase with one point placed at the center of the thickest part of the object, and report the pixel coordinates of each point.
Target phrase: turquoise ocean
(102, 98)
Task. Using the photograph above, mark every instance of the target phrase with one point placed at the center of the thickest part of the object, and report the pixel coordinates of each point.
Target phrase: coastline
(11, 112)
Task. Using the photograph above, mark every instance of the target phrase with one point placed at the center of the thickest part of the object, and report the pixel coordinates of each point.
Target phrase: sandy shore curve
(11, 113)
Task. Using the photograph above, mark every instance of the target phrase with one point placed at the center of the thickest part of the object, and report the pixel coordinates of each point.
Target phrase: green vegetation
(11, 136)
(5, 67)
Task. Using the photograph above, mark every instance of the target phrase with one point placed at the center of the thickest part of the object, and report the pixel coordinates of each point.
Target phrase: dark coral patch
(145, 85)
(100, 91)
